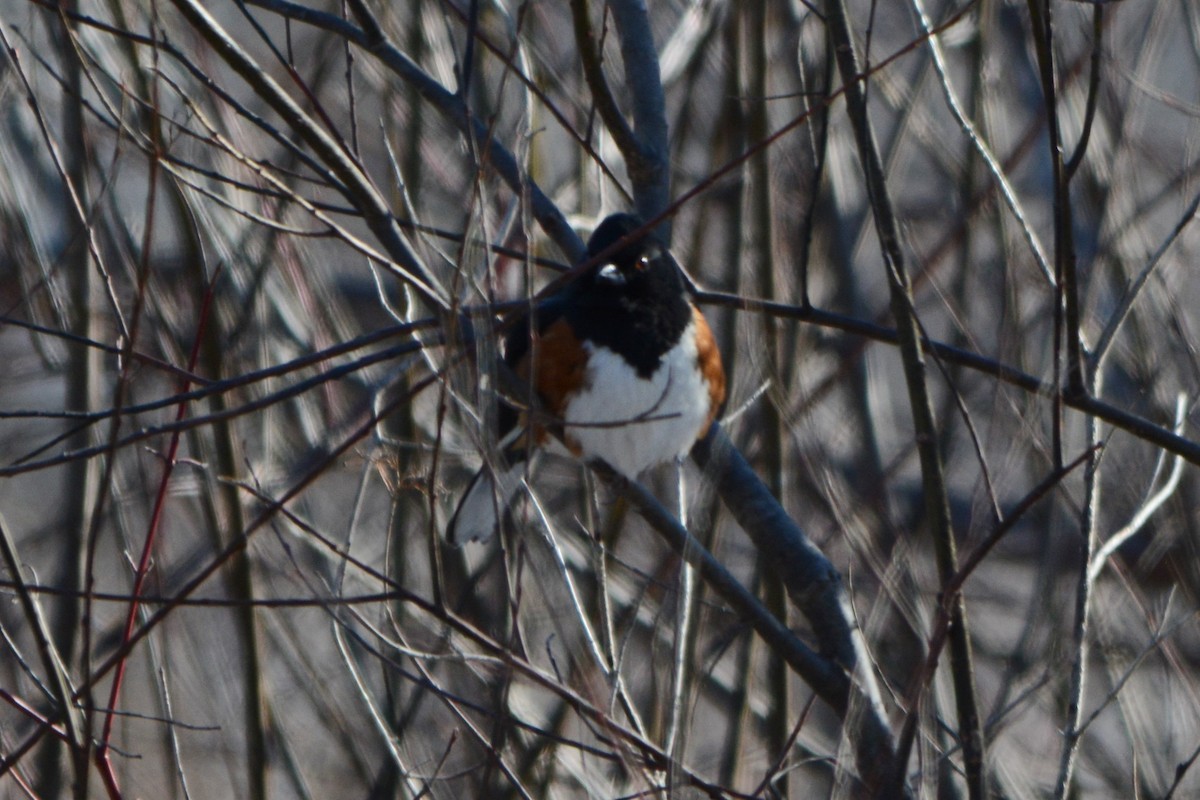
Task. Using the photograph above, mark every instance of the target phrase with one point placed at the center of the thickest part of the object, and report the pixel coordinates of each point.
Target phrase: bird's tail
(485, 501)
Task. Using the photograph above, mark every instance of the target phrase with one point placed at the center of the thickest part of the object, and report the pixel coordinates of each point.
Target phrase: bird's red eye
(643, 263)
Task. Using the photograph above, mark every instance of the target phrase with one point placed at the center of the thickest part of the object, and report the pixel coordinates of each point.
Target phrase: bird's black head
(631, 256)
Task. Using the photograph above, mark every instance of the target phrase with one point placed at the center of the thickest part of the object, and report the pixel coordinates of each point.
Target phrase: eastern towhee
(624, 366)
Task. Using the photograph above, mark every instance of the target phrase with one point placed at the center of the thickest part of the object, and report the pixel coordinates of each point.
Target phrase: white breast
(633, 423)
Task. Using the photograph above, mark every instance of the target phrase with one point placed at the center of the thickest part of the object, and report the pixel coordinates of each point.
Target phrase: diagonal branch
(593, 72)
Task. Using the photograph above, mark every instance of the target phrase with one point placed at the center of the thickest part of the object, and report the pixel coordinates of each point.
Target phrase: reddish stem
(103, 762)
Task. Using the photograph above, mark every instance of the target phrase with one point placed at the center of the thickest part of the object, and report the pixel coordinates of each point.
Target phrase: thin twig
(981, 146)
(1114, 542)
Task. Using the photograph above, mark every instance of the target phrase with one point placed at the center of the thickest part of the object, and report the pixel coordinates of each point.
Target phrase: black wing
(516, 349)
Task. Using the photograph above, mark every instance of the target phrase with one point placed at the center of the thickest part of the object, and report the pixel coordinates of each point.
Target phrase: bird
(624, 366)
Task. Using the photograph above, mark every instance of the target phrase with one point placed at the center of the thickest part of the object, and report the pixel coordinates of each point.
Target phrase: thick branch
(649, 167)
(815, 587)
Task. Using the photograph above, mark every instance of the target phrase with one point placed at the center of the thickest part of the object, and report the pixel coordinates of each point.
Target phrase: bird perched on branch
(623, 365)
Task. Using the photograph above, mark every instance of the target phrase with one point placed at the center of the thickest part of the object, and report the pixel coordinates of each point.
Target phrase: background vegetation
(945, 537)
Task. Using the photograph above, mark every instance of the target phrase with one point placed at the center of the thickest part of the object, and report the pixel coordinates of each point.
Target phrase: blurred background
(233, 235)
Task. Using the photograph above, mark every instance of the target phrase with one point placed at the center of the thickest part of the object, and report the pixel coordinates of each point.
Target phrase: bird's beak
(610, 273)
